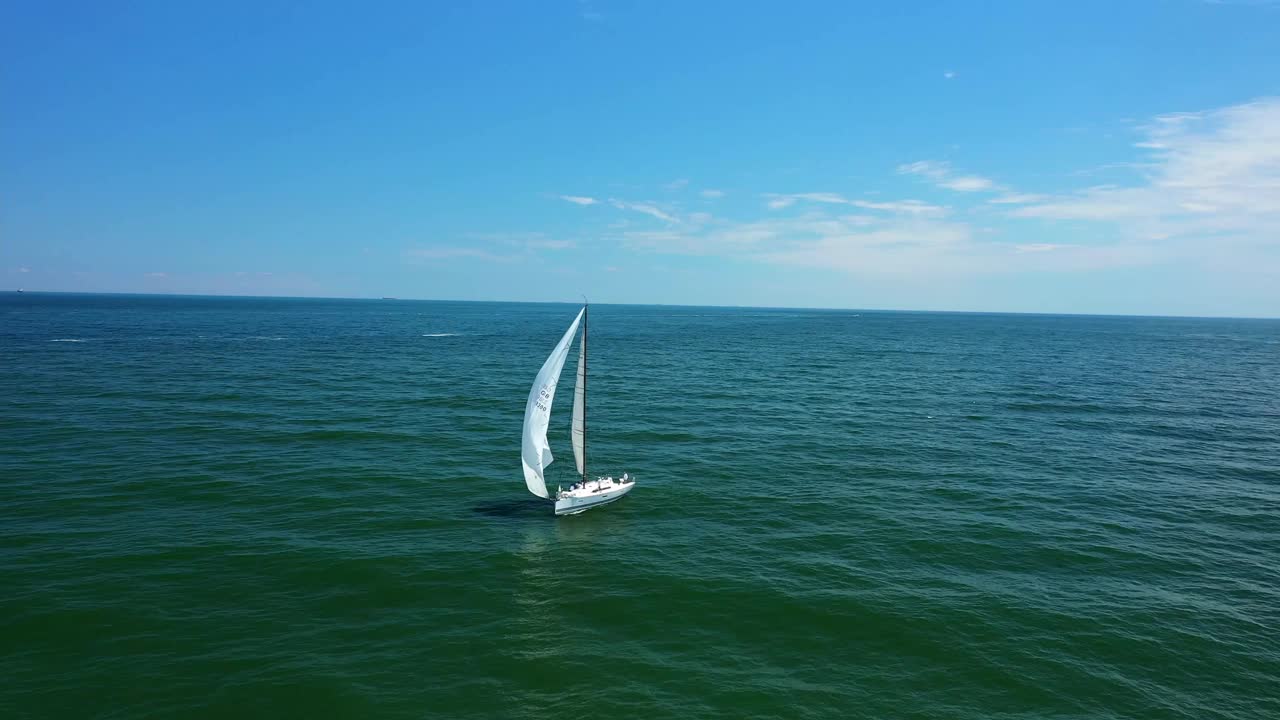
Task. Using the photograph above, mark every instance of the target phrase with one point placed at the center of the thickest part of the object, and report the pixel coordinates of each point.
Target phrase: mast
(584, 389)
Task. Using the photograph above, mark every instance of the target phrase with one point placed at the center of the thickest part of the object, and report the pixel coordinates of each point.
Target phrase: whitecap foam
(438, 334)
(67, 340)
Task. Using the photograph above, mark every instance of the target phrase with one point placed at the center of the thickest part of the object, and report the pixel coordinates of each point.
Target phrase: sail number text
(544, 398)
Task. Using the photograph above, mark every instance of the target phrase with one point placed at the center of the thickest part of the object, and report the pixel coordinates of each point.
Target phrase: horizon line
(564, 302)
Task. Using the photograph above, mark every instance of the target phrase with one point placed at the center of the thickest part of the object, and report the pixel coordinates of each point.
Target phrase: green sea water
(219, 507)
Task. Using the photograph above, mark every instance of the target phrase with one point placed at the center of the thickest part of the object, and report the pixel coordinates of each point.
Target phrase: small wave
(67, 340)
(439, 334)
(265, 337)
(655, 436)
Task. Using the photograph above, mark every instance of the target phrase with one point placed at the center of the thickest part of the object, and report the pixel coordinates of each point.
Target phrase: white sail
(535, 452)
(579, 432)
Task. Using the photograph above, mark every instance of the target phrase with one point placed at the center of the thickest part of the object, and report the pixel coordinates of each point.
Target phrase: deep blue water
(230, 507)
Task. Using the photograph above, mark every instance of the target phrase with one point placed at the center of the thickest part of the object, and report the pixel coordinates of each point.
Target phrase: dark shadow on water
(515, 509)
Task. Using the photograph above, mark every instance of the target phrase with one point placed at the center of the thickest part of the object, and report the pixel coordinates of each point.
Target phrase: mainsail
(535, 452)
(579, 433)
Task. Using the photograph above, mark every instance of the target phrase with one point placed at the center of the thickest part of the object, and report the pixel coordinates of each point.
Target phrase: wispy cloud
(1017, 198)
(906, 245)
(928, 168)
(967, 183)
(579, 199)
(493, 247)
(550, 244)
(777, 201)
(941, 174)
(1208, 174)
(949, 74)
(646, 208)
(1208, 193)
(24, 269)
(908, 207)
(712, 194)
(676, 185)
(913, 246)
(157, 275)
(454, 253)
(822, 197)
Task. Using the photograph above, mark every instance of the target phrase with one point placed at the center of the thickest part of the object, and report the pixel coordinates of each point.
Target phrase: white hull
(581, 497)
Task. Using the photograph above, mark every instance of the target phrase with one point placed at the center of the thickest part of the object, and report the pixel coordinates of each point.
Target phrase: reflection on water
(548, 562)
(535, 631)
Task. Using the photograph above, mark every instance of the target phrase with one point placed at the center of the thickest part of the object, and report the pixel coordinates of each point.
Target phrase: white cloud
(579, 199)
(967, 183)
(906, 246)
(853, 243)
(1208, 175)
(907, 207)
(779, 200)
(24, 269)
(906, 237)
(912, 246)
(157, 275)
(941, 174)
(550, 244)
(506, 247)
(1017, 198)
(949, 74)
(453, 253)
(676, 185)
(646, 208)
(712, 194)
(910, 207)
(1209, 197)
(823, 197)
(931, 169)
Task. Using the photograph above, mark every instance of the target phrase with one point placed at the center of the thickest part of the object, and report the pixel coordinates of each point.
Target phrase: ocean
(254, 507)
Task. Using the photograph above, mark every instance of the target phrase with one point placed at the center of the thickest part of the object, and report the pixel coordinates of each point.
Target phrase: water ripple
(315, 508)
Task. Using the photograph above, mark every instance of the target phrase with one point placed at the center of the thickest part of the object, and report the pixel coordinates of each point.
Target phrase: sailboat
(535, 452)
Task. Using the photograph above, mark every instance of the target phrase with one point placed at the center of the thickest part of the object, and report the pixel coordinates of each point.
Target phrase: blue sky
(1093, 157)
